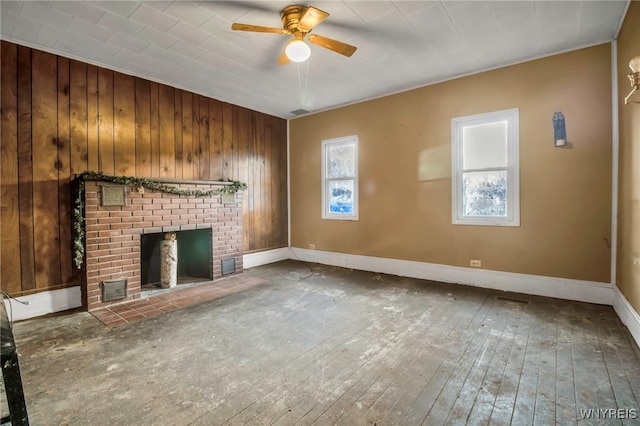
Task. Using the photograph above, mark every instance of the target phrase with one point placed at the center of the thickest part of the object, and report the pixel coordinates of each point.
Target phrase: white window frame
(326, 180)
(511, 116)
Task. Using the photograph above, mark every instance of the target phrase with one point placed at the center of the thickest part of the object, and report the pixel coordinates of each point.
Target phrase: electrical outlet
(476, 263)
(312, 246)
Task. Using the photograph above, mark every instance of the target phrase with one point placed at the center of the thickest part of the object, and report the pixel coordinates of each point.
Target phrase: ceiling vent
(299, 112)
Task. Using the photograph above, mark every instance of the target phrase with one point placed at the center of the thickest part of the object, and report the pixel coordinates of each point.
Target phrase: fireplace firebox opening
(194, 257)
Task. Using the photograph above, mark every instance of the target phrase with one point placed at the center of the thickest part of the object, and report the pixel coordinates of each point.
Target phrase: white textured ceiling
(401, 44)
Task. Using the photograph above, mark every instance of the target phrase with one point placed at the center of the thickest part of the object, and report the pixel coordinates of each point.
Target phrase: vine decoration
(232, 187)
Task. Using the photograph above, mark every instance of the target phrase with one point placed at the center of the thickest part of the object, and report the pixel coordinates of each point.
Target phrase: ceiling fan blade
(284, 59)
(311, 17)
(335, 45)
(258, 29)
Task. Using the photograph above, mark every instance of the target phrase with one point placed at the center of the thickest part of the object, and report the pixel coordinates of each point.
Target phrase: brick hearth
(113, 232)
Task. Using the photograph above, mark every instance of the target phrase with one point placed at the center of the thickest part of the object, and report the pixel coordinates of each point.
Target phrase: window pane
(341, 196)
(485, 193)
(341, 161)
(484, 146)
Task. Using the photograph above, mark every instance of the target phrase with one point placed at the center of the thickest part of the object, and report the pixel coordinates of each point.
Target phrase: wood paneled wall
(61, 117)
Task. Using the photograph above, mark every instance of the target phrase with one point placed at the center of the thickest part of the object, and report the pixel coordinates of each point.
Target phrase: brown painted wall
(61, 117)
(628, 256)
(405, 166)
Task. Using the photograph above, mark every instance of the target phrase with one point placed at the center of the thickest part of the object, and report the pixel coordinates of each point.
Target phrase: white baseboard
(44, 303)
(251, 260)
(560, 288)
(627, 314)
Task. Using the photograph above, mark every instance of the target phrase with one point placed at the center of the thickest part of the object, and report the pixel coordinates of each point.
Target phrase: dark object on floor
(11, 373)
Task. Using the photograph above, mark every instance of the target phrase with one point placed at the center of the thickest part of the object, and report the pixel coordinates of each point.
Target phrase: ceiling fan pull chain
(306, 83)
(300, 81)
(303, 92)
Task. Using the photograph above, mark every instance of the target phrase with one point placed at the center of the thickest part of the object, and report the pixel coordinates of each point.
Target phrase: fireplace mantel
(173, 181)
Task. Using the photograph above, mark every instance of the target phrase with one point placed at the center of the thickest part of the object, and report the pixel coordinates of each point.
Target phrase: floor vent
(509, 299)
(228, 266)
(114, 290)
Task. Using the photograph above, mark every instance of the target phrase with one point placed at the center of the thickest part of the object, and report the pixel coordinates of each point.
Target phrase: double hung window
(340, 178)
(485, 174)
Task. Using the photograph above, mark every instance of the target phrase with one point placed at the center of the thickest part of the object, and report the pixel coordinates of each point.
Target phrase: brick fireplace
(114, 230)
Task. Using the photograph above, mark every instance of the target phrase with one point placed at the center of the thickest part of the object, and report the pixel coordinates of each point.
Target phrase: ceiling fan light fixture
(298, 21)
(298, 51)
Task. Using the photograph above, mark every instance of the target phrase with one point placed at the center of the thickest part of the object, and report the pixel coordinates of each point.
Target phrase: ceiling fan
(299, 21)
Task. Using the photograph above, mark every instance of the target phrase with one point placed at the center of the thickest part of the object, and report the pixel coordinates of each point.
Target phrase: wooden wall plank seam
(93, 118)
(244, 141)
(166, 122)
(64, 173)
(25, 170)
(195, 132)
(124, 131)
(268, 187)
(10, 279)
(177, 134)
(78, 116)
(143, 127)
(187, 136)
(216, 125)
(203, 148)
(78, 130)
(106, 158)
(154, 129)
(45, 169)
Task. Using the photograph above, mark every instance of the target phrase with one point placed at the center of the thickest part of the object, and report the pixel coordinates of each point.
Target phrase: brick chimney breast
(112, 240)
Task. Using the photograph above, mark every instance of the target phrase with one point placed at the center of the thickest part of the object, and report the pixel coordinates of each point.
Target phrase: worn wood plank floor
(322, 345)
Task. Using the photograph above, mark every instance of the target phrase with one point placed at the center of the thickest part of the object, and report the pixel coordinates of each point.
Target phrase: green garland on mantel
(231, 187)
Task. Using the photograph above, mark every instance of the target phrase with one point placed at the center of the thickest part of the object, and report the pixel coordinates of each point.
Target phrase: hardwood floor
(323, 345)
